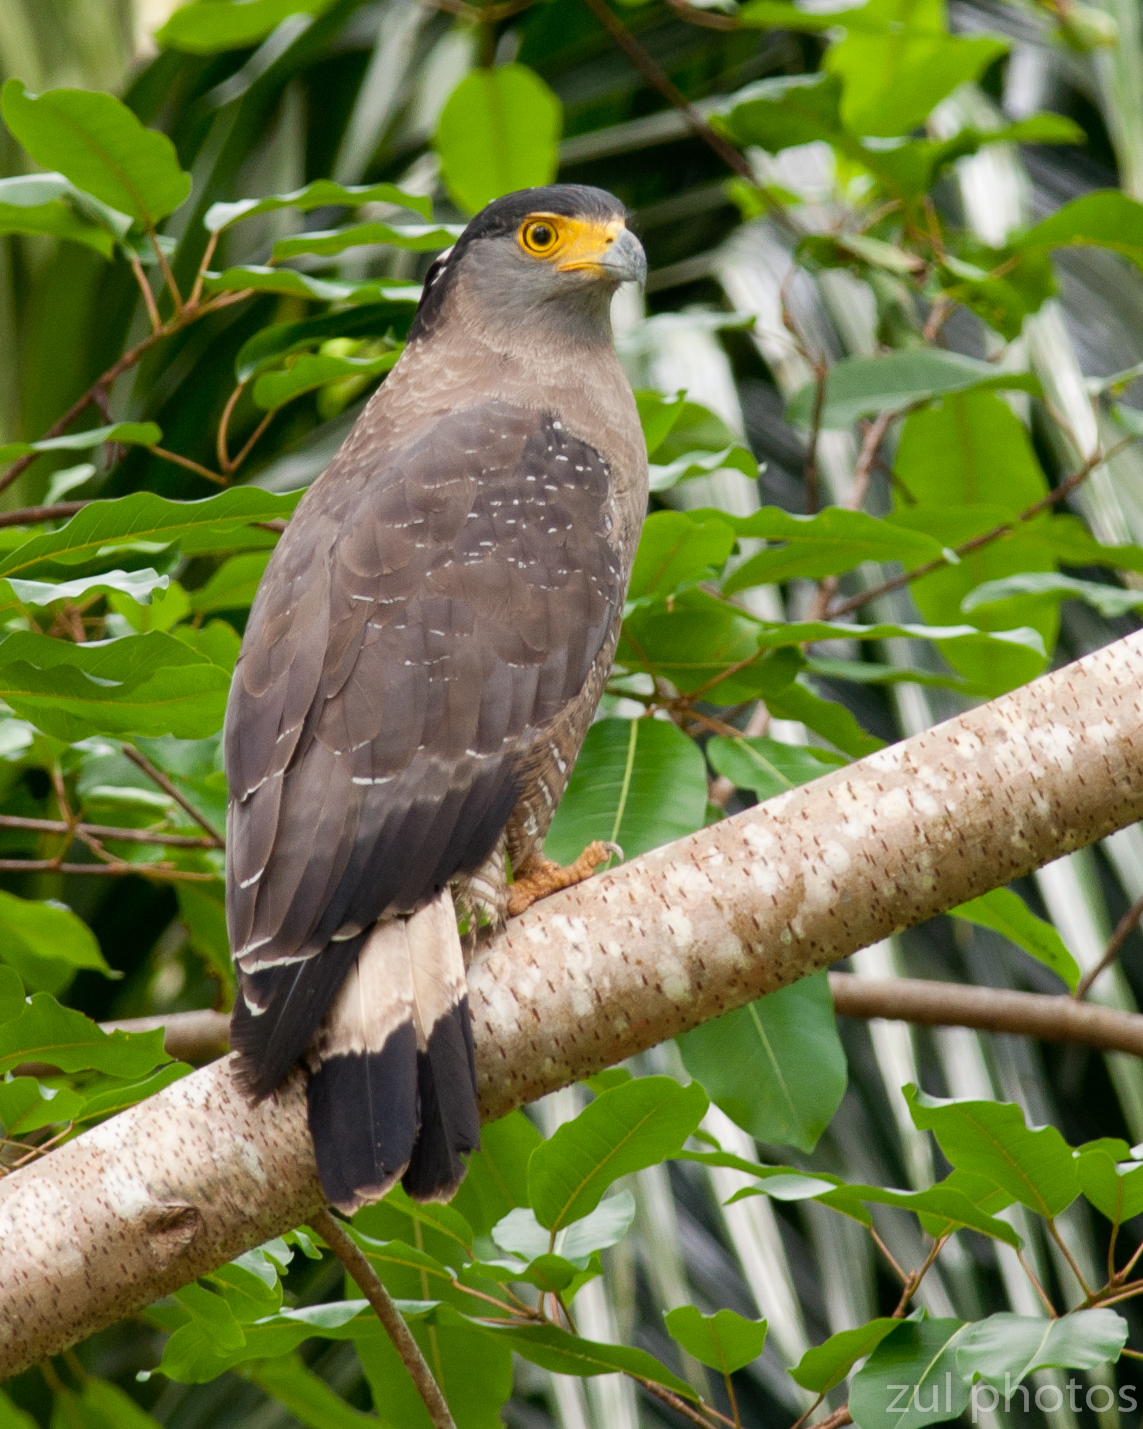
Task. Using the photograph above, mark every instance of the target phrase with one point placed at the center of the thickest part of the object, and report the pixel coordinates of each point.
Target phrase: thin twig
(115, 870)
(1059, 1240)
(915, 1278)
(356, 1264)
(165, 269)
(885, 1251)
(680, 1406)
(837, 1419)
(1040, 1291)
(167, 787)
(200, 276)
(862, 475)
(708, 19)
(220, 445)
(1123, 930)
(103, 384)
(668, 89)
(190, 465)
(810, 471)
(1062, 491)
(801, 1419)
(145, 289)
(106, 831)
(33, 515)
(249, 447)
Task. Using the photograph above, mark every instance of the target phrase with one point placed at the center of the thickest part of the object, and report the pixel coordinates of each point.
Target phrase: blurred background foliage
(373, 92)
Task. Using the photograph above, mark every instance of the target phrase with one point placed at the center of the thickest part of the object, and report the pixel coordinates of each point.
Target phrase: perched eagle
(424, 656)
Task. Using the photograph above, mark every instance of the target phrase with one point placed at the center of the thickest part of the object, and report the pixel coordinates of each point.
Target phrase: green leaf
(563, 1353)
(638, 783)
(724, 1341)
(137, 585)
(144, 434)
(1113, 1188)
(49, 204)
(268, 347)
(993, 597)
(632, 1126)
(302, 285)
(827, 1364)
(419, 238)
(766, 766)
(834, 541)
(114, 1099)
(745, 1061)
(322, 193)
(948, 461)
(1035, 1166)
(692, 642)
(825, 717)
(46, 1032)
(13, 1418)
(311, 370)
(1004, 1349)
(102, 526)
(911, 1378)
(11, 994)
(148, 684)
(46, 943)
(99, 1404)
(894, 75)
(657, 415)
(233, 584)
(521, 1234)
(499, 131)
(27, 1106)
(1007, 913)
(946, 1205)
(213, 1316)
(865, 386)
(1107, 219)
(474, 1373)
(304, 1395)
(212, 26)
(497, 1178)
(675, 550)
(97, 142)
(699, 463)
(786, 111)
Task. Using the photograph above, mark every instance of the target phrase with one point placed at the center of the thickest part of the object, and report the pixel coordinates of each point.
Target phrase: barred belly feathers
(424, 656)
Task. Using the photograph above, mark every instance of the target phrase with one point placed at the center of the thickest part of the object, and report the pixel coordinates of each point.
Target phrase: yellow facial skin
(569, 244)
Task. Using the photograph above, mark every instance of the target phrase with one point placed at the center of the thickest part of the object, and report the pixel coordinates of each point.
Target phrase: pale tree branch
(192, 1177)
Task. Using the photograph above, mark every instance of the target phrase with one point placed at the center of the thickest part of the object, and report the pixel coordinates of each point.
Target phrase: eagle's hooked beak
(611, 250)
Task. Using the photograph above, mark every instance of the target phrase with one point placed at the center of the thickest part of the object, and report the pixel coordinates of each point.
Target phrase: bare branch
(1123, 930)
(989, 1009)
(595, 974)
(347, 1251)
(167, 787)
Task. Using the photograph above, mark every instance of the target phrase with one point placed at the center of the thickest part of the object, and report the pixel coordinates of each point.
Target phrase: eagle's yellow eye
(539, 236)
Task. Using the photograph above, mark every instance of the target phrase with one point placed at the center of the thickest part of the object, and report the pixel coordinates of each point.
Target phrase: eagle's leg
(539, 876)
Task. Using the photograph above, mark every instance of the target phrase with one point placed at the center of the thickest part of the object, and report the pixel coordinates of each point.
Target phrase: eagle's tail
(392, 1078)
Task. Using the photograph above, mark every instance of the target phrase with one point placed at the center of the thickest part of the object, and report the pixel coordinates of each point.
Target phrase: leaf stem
(1123, 930)
(145, 289)
(157, 775)
(190, 465)
(357, 1265)
(1062, 491)
(674, 96)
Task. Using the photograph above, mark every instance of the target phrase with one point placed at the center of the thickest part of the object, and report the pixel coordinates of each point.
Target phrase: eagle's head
(554, 254)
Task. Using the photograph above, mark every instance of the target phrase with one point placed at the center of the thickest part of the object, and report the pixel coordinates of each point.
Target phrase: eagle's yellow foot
(539, 879)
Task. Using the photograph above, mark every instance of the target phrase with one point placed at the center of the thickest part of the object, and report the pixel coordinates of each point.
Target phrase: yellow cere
(569, 243)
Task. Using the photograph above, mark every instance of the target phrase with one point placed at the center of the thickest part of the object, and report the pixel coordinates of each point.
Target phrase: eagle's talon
(545, 876)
